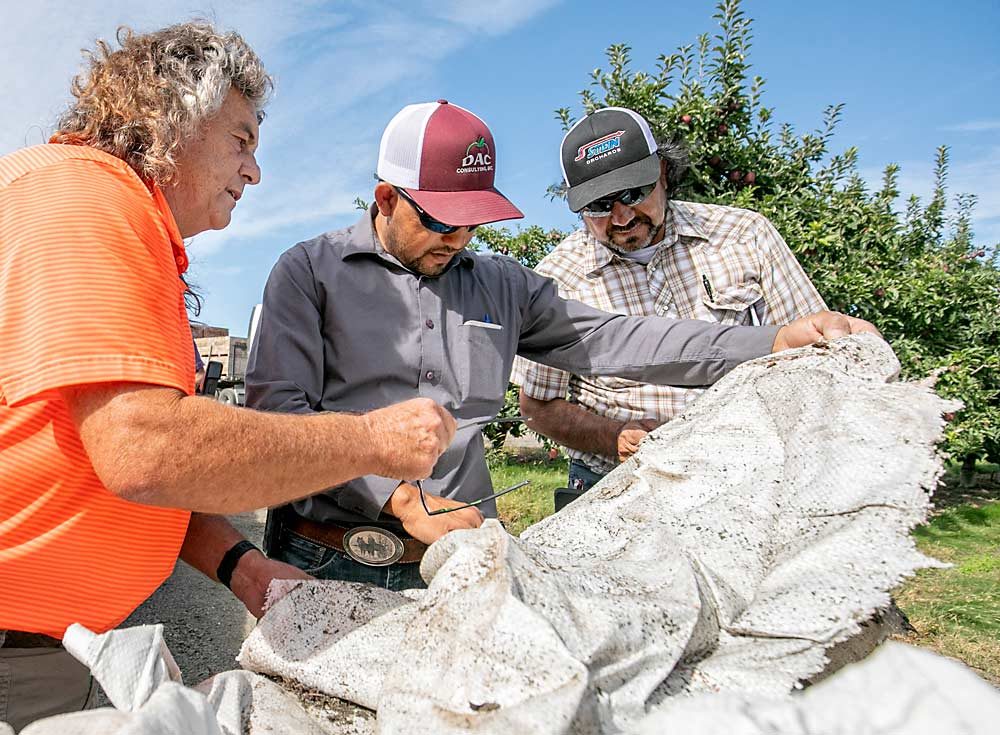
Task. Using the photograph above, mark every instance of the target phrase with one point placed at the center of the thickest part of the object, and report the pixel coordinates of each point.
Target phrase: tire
(228, 396)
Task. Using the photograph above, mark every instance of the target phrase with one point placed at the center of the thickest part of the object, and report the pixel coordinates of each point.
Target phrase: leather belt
(332, 536)
(20, 639)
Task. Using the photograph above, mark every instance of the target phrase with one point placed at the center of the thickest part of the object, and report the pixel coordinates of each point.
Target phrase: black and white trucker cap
(606, 152)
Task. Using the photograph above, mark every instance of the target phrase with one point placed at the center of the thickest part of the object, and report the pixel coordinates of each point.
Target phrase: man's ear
(386, 198)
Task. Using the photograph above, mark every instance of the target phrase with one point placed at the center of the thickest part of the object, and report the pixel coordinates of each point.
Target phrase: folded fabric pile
(695, 588)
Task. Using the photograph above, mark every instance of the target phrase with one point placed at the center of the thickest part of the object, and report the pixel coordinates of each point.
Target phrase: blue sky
(912, 76)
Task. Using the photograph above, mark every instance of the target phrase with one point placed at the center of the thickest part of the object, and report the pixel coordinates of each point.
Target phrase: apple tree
(911, 267)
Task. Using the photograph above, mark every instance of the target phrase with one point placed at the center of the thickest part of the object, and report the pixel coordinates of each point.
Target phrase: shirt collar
(363, 241)
(176, 241)
(686, 223)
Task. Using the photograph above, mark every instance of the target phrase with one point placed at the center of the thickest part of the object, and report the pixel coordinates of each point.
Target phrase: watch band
(230, 560)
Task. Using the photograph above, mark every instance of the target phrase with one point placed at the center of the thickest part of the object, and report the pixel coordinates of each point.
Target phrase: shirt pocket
(730, 304)
(482, 368)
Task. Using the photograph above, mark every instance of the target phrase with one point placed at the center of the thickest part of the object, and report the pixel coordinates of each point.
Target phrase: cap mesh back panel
(399, 153)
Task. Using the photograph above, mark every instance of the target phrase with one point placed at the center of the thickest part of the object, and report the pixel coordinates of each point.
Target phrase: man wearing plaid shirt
(641, 254)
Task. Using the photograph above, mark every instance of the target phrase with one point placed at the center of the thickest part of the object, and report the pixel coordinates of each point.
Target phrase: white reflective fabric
(898, 689)
(745, 539)
(129, 664)
(692, 591)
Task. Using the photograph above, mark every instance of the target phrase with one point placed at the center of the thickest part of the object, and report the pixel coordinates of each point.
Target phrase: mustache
(639, 218)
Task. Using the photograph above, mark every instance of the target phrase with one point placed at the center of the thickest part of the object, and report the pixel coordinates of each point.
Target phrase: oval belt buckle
(374, 547)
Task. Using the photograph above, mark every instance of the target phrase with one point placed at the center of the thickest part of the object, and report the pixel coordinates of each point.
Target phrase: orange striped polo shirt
(90, 292)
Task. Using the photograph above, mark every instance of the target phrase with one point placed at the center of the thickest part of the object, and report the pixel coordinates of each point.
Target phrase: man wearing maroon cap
(394, 307)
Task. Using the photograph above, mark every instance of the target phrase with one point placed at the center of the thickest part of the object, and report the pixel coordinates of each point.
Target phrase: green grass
(956, 611)
(530, 504)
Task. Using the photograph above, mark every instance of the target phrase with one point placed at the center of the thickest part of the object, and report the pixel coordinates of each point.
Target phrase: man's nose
(251, 171)
(621, 214)
(458, 239)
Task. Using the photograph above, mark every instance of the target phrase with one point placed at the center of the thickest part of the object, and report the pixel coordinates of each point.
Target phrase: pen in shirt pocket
(708, 288)
(486, 322)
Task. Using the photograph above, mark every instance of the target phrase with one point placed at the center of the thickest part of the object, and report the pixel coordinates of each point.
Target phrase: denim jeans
(581, 479)
(325, 563)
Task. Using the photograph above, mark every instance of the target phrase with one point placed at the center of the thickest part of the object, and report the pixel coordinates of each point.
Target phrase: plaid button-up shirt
(717, 264)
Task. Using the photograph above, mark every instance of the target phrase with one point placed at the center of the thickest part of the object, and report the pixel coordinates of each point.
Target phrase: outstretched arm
(158, 446)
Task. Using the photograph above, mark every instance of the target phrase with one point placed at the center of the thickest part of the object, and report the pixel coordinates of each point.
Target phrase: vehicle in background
(225, 359)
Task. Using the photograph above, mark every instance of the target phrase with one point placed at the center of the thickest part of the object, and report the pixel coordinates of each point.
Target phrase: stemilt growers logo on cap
(477, 158)
(603, 147)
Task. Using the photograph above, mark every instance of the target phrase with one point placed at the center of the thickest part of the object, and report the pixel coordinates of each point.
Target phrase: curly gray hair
(675, 154)
(143, 101)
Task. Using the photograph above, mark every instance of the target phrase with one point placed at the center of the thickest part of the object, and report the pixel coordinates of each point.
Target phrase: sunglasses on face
(429, 222)
(629, 197)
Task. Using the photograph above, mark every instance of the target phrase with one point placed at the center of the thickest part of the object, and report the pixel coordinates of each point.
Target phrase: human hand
(405, 504)
(252, 575)
(407, 438)
(631, 434)
(824, 325)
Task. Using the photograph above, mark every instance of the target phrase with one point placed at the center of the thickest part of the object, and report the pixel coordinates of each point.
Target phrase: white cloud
(42, 45)
(980, 176)
(328, 58)
(496, 17)
(974, 126)
(320, 114)
(342, 69)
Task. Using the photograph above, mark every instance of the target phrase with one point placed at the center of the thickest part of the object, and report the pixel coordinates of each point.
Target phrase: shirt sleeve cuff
(755, 342)
(367, 495)
(539, 381)
(543, 392)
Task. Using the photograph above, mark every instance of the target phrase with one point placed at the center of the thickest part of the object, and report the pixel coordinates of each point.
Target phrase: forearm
(157, 446)
(573, 426)
(208, 539)
(254, 459)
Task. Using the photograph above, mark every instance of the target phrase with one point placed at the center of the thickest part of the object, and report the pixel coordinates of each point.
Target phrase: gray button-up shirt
(346, 327)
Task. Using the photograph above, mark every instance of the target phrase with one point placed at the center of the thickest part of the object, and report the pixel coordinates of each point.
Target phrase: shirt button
(429, 375)
(429, 324)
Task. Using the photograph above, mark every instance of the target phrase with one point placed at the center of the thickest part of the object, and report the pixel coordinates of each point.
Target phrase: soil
(951, 492)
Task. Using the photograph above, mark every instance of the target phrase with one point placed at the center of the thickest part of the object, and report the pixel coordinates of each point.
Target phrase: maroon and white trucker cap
(443, 156)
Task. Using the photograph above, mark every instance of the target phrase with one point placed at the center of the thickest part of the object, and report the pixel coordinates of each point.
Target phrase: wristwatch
(231, 559)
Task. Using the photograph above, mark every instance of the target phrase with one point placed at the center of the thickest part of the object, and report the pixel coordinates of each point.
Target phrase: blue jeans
(325, 563)
(581, 479)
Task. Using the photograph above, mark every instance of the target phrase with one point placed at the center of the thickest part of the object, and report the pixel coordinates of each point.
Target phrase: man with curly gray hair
(109, 465)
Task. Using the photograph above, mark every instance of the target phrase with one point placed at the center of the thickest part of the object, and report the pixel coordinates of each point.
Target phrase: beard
(424, 267)
(422, 264)
(638, 234)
